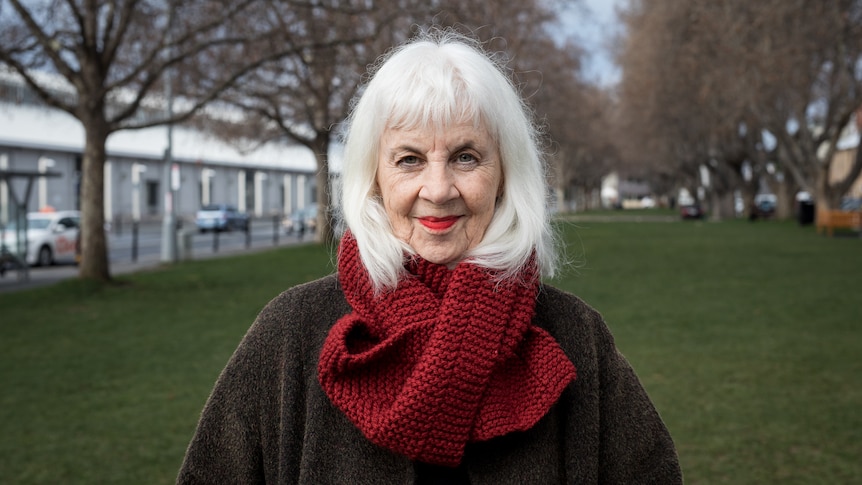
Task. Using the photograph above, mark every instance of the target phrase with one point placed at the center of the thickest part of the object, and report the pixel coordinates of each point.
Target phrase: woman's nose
(438, 183)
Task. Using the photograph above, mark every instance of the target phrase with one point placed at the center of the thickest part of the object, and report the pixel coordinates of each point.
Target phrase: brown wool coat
(268, 421)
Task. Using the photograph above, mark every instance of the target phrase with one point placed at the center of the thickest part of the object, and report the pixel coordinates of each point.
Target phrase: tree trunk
(325, 231)
(94, 248)
(749, 204)
(560, 197)
(785, 193)
(715, 212)
(823, 197)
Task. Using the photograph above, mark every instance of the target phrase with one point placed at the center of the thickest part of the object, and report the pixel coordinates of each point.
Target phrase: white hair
(443, 78)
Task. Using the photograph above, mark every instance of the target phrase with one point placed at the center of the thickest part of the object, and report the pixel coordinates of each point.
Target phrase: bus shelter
(13, 250)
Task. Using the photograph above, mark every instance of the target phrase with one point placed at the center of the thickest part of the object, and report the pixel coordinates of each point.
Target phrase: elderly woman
(435, 354)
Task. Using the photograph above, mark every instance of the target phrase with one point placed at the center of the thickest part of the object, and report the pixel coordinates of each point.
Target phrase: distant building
(275, 178)
(626, 193)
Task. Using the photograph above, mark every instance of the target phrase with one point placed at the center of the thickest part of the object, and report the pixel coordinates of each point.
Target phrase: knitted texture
(447, 358)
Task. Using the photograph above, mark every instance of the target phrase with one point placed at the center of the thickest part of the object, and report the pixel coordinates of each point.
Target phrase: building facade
(265, 180)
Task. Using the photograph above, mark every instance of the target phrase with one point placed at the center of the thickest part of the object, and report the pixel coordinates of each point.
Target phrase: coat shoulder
(303, 312)
(560, 311)
(321, 292)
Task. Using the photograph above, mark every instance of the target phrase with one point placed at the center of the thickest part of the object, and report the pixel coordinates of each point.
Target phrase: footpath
(16, 280)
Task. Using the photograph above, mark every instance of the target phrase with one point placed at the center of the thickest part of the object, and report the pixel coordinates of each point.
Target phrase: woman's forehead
(432, 117)
(435, 126)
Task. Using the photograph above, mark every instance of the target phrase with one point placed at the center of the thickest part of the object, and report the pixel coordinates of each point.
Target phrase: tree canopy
(293, 66)
(742, 89)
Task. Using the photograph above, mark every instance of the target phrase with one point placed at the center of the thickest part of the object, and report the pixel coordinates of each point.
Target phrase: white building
(276, 178)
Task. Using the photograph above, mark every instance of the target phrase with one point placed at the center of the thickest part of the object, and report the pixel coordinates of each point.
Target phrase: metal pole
(137, 170)
(169, 222)
(134, 241)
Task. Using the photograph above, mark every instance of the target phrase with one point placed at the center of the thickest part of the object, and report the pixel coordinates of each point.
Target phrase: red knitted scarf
(447, 358)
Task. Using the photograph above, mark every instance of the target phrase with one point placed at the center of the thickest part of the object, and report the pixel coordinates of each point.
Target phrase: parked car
(301, 220)
(764, 206)
(221, 217)
(691, 211)
(51, 237)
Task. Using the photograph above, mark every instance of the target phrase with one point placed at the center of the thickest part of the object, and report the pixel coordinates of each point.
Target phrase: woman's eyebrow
(469, 144)
(404, 148)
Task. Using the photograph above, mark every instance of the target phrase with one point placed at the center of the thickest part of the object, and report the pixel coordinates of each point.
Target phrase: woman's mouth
(438, 223)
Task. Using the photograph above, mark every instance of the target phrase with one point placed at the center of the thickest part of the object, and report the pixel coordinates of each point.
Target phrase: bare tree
(678, 122)
(737, 86)
(305, 96)
(114, 55)
(811, 87)
(580, 124)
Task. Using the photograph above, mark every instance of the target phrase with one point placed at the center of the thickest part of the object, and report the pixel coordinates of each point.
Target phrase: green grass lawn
(748, 337)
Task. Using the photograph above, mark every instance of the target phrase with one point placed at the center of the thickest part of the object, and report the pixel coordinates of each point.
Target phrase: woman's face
(439, 189)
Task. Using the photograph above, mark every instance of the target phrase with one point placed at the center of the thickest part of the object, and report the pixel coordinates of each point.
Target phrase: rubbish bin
(806, 212)
(185, 241)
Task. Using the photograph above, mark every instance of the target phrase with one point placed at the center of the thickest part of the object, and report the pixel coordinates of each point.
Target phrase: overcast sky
(594, 23)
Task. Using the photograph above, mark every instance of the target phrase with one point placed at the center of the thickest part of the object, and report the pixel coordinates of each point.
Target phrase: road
(129, 252)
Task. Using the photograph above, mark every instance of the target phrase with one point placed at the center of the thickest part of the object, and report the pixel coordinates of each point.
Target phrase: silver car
(221, 217)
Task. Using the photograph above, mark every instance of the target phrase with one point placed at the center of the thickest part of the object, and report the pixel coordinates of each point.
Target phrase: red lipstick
(438, 223)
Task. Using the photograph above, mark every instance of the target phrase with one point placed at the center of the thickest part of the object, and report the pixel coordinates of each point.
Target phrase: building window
(152, 197)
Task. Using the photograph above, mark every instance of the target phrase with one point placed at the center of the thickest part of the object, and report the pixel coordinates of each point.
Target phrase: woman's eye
(466, 158)
(409, 161)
